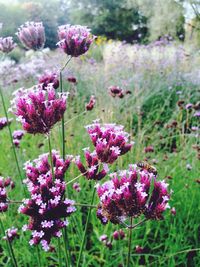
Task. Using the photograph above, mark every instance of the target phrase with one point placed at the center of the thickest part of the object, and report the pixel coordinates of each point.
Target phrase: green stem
(65, 236)
(129, 244)
(59, 253)
(11, 139)
(38, 256)
(85, 231)
(9, 247)
(50, 155)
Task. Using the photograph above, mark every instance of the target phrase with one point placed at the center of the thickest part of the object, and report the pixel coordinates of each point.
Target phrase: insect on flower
(146, 166)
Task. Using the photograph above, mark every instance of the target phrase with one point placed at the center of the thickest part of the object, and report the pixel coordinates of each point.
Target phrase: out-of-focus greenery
(131, 20)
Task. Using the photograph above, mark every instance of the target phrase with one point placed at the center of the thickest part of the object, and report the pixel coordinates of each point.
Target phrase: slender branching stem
(129, 244)
(85, 231)
(9, 246)
(38, 256)
(59, 253)
(50, 155)
(11, 139)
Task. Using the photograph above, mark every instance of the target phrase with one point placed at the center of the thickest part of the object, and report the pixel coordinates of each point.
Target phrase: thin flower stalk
(85, 230)
(11, 140)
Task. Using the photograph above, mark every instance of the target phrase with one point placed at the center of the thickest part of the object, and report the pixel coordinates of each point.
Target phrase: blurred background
(133, 21)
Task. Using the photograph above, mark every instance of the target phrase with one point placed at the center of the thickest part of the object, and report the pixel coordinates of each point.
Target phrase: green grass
(172, 242)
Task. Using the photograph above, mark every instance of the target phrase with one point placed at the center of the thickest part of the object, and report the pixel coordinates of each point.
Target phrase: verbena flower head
(3, 193)
(18, 134)
(48, 78)
(128, 195)
(4, 122)
(11, 234)
(89, 106)
(93, 170)
(110, 141)
(74, 40)
(47, 206)
(7, 44)
(117, 235)
(32, 35)
(38, 110)
(116, 91)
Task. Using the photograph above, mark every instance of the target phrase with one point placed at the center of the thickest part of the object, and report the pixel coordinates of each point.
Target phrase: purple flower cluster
(47, 205)
(4, 122)
(11, 234)
(17, 136)
(32, 35)
(38, 110)
(7, 44)
(3, 194)
(119, 235)
(49, 78)
(74, 40)
(116, 91)
(92, 171)
(110, 141)
(129, 196)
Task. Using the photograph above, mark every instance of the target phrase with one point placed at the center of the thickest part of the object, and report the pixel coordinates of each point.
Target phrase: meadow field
(158, 105)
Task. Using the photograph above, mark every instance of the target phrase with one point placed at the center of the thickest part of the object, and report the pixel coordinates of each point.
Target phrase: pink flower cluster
(74, 40)
(93, 169)
(116, 91)
(49, 78)
(32, 35)
(47, 205)
(110, 141)
(7, 44)
(11, 234)
(17, 136)
(3, 194)
(38, 110)
(128, 195)
(4, 122)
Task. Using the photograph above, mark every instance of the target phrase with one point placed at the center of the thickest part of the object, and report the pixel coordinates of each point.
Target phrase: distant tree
(111, 18)
(164, 17)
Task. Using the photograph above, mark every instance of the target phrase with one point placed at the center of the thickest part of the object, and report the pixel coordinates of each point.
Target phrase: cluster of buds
(4, 122)
(110, 141)
(3, 194)
(11, 234)
(17, 136)
(48, 78)
(32, 35)
(38, 110)
(89, 106)
(76, 187)
(93, 170)
(7, 44)
(119, 235)
(74, 40)
(105, 241)
(47, 206)
(72, 79)
(130, 196)
(116, 91)
(149, 149)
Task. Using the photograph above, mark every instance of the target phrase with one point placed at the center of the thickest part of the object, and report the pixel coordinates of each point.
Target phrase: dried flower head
(74, 40)
(48, 78)
(47, 206)
(128, 195)
(110, 141)
(32, 35)
(7, 44)
(3, 194)
(38, 110)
